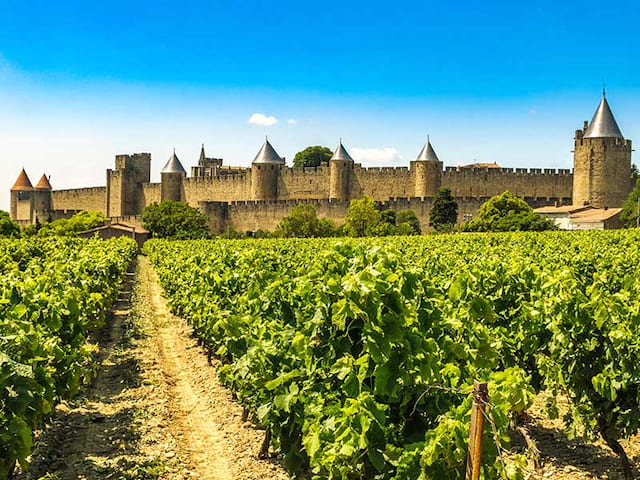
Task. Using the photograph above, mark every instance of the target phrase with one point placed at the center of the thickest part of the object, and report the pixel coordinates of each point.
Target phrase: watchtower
(601, 161)
(265, 173)
(125, 194)
(340, 174)
(43, 199)
(21, 201)
(171, 179)
(426, 171)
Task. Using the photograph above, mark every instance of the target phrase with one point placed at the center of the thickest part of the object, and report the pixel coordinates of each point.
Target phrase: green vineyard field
(358, 356)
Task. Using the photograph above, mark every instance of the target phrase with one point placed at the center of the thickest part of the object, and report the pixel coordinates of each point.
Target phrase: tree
(8, 228)
(80, 222)
(506, 213)
(175, 220)
(312, 157)
(362, 217)
(629, 214)
(444, 212)
(407, 223)
(303, 222)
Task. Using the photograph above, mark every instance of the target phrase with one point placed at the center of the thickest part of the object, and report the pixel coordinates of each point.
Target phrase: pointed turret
(341, 153)
(427, 154)
(203, 157)
(601, 161)
(22, 183)
(603, 124)
(267, 154)
(43, 183)
(173, 165)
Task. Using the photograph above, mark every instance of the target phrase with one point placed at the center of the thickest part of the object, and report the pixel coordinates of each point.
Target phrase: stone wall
(304, 183)
(92, 198)
(487, 182)
(382, 183)
(223, 188)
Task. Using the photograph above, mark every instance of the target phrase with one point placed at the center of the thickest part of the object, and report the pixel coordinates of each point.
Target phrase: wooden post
(474, 455)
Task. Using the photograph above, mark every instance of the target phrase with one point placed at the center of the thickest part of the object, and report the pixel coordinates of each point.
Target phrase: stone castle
(249, 199)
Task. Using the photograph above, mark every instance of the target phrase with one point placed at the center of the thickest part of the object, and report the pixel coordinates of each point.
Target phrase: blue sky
(493, 81)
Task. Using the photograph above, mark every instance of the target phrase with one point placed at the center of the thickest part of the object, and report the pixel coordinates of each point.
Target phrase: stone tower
(426, 171)
(265, 173)
(43, 199)
(125, 195)
(601, 161)
(340, 174)
(21, 202)
(171, 179)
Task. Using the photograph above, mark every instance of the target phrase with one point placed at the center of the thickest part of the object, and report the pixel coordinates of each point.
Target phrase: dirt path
(156, 409)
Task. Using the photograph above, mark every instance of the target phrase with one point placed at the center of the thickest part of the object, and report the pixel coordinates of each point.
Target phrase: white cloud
(262, 120)
(386, 155)
(292, 121)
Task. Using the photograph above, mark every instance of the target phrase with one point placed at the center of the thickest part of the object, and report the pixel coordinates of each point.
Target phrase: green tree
(362, 217)
(81, 221)
(175, 220)
(303, 222)
(444, 213)
(507, 213)
(312, 157)
(8, 228)
(407, 223)
(629, 214)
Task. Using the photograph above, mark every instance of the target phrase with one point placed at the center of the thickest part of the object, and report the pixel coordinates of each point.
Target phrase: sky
(499, 81)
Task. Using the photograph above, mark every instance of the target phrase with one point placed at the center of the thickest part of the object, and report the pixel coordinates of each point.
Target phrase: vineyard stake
(480, 397)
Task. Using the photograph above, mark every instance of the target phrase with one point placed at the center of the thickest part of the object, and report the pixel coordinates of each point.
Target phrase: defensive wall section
(92, 198)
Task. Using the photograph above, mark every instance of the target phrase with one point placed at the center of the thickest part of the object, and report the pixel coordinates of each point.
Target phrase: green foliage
(629, 214)
(175, 220)
(53, 292)
(312, 157)
(507, 213)
(407, 223)
(358, 355)
(303, 222)
(68, 227)
(444, 212)
(8, 228)
(362, 217)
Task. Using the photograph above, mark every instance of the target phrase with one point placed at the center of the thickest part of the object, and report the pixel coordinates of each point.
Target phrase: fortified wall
(254, 198)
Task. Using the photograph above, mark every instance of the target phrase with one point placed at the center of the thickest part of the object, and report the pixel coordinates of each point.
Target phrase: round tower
(426, 170)
(601, 161)
(340, 174)
(265, 173)
(21, 202)
(171, 178)
(42, 199)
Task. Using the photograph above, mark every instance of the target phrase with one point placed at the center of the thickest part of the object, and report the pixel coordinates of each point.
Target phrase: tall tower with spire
(265, 173)
(426, 171)
(21, 204)
(340, 174)
(601, 161)
(171, 179)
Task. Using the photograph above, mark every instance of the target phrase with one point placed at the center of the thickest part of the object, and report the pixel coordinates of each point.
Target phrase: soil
(156, 410)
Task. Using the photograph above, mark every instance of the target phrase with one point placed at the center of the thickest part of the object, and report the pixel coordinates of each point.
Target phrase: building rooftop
(341, 153)
(603, 124)
(43, 183)
(173, 165)
(481, 165)
(427, 154)
(22, 182)
(267, 154)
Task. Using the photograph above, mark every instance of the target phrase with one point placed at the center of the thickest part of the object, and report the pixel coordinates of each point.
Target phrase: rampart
(92, 198)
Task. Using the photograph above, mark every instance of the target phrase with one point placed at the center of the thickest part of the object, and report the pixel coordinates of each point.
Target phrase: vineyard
(53, 293)
(358, 356)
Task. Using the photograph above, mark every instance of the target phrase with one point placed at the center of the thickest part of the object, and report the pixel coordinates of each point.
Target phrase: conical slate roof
(267, 154)
(173, 165)
(341, 154)
(203, 157)
(603, 124)
(43, 183)
(427, 154)
(22, 183)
